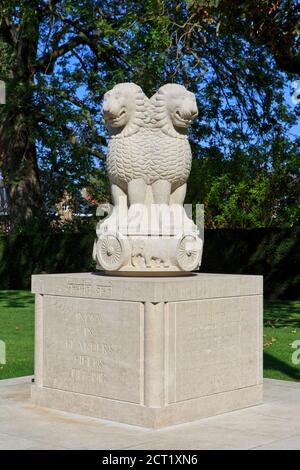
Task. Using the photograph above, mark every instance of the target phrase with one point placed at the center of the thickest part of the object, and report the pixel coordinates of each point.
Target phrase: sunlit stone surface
(148, 352)
(149, 160)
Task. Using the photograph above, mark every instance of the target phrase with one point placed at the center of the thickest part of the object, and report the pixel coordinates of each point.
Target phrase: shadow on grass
(278, 314)
(275, 364)
(16, 299)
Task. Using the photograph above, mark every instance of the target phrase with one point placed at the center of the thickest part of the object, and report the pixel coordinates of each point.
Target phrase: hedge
(271, 252)
(274, 253)
(24, 255)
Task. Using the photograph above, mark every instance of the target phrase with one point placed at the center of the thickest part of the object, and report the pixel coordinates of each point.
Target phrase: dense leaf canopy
(59, 57)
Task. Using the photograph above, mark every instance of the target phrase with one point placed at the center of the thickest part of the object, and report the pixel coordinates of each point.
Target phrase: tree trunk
(18, 158)
(19, 168)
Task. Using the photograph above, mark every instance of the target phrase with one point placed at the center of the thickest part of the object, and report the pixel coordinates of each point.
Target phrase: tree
(246, 191)
(273, 24)
(58, 57)
(246, 157)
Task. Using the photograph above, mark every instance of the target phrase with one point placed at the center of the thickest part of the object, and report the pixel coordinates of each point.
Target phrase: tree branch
(88, 36)
(80, 104)
(46, 63)
(71, 136)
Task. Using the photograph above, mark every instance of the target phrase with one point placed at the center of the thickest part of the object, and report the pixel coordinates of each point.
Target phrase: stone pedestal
(149, 352)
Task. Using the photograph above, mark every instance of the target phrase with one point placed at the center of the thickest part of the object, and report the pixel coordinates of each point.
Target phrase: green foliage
(248, 189)
(59, 58)
(268, 23)
(7, 57)
(273, 253)
(45, 252)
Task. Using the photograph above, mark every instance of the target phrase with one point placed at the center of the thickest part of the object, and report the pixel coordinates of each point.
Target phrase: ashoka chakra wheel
(188, 253)
(110, 252)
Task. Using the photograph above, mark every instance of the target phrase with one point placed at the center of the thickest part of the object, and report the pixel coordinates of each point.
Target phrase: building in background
(65, 210)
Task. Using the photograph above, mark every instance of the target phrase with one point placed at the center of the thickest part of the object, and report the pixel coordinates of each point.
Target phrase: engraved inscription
(83, 288)
(88, 289)
(82, 376)
(93, 347)
(103, 290)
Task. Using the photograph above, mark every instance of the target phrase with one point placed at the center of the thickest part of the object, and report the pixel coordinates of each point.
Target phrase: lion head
(173, 109)
(124, 109)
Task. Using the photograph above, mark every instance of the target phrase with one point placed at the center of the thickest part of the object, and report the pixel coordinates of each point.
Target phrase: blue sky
(288, 92)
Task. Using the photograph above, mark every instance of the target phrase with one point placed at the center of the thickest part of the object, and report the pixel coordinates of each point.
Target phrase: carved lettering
(88, 289)
(103, 290)
(80, 288)
(88, 317)
(86, 350)
(88, 362)
(83, 376)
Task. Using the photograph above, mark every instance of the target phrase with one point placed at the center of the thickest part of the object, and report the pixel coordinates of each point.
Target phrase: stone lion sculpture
(172, 110)
(149, 141)
(148, 163)
(125, 112)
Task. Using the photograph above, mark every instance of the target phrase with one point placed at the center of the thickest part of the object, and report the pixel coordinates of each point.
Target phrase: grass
(281, 329)
(17, 331)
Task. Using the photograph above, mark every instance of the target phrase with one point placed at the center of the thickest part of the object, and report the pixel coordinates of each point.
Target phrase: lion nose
(107, 112)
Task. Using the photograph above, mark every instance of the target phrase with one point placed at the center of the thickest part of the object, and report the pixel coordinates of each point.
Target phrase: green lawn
(17, 331)
(282, 327)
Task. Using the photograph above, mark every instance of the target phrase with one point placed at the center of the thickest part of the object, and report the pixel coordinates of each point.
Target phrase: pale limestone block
(141, 289)
(86, 350)
(217, 346)
(154, 354)
(170, 356)
(39, 339)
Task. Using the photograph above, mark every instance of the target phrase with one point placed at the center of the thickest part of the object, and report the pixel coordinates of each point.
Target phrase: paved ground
(273, 425)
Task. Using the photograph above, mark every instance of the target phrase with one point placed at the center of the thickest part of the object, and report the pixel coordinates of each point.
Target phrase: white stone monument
(148, 163)
(145, 341)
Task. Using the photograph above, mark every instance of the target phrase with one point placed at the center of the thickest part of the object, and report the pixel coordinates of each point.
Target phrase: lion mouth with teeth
(114, 118)
(174, 108)
(182, 120)
(124, 109)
